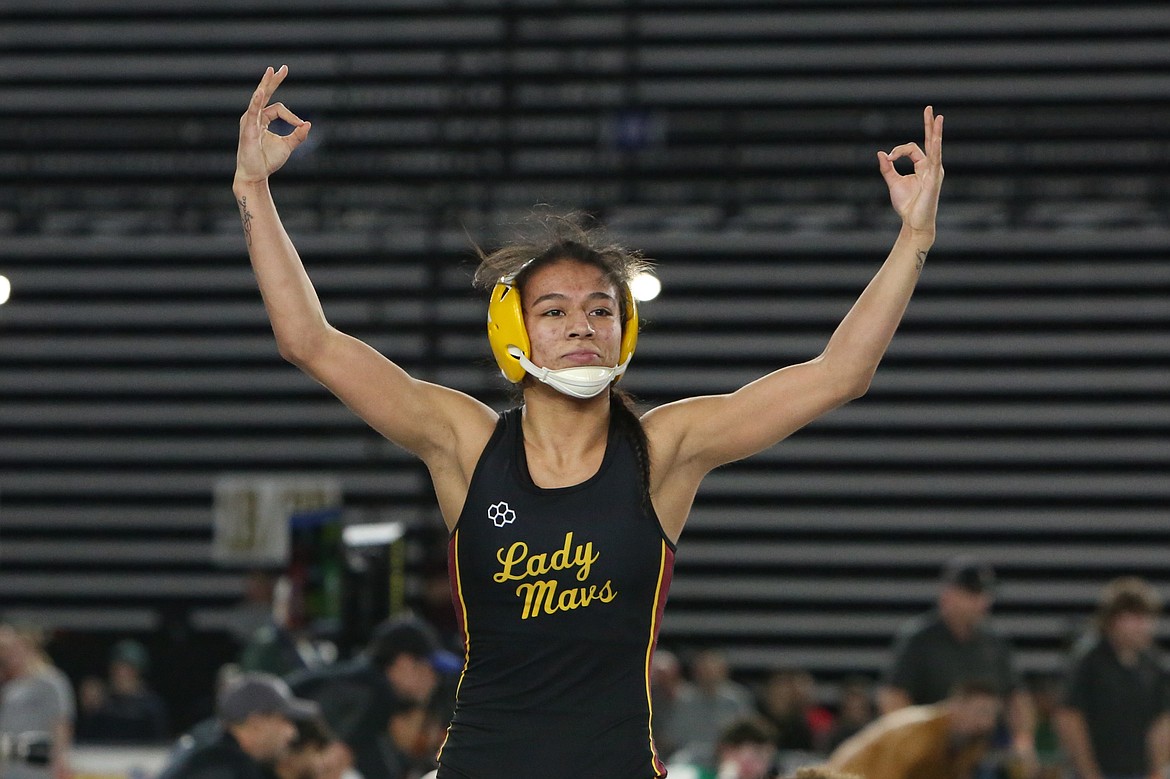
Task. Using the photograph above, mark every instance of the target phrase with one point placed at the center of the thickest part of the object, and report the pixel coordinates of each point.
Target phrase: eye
(552, 312)
(601, 312)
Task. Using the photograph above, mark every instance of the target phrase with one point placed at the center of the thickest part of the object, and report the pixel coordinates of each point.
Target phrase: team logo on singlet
(539, 591)
(501, 514)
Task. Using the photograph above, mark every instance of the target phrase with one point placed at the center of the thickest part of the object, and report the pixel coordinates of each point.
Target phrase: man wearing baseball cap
(955, 641)
(258, 714)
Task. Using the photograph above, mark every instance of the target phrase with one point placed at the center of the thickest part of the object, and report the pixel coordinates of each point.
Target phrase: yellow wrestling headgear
(509, 338)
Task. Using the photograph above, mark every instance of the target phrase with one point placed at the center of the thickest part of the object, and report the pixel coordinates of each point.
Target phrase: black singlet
(559, 594)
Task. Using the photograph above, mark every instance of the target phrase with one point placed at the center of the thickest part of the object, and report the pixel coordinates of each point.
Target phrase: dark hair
(748, 730)
(312, 732)
(401, 634)
(622, 412)
(1128, 594)
(545, 237)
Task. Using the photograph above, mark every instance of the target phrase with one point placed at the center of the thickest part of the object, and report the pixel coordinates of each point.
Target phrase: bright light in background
(5, 289)
(645, 286)
(378, 534)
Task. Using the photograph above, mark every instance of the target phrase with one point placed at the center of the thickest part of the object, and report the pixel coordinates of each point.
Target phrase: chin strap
(587, 381)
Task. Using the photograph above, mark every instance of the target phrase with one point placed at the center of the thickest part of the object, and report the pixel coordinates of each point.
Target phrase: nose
(580, 326)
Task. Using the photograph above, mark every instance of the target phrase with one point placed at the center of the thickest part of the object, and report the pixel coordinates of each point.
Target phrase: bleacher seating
(1022, 412)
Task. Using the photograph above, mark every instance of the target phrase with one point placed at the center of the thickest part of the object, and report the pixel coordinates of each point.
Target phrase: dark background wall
(1022, 413)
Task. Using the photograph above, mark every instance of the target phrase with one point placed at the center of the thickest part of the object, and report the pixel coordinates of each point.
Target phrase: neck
(564, 439)
(1126, 655)
(960, 629)
(551, 417)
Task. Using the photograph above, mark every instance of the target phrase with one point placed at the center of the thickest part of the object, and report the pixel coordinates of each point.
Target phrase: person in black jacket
(258, 714)
(1114, 719)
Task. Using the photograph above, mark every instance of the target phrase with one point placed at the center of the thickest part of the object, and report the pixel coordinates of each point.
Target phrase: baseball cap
(414, 637)
(262, 693)
(970, 574)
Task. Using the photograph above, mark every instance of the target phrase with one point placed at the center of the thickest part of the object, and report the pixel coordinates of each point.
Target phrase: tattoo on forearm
(246, 218)
(921, 259)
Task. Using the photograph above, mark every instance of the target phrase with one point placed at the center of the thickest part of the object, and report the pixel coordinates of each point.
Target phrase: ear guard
(505, 327)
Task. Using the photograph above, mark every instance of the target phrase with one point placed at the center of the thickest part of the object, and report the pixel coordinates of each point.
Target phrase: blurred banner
(255, 516)
(292, 524)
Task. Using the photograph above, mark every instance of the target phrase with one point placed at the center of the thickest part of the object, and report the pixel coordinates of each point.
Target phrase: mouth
(582, 357)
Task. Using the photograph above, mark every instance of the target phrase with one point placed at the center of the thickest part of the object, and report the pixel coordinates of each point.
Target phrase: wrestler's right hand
(262, 152)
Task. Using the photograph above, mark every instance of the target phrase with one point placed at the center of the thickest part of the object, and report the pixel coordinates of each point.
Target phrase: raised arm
(702, 433)
(446, 428)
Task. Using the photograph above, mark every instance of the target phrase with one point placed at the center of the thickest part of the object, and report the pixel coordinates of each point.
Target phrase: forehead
(1133, 615)
(566, 277)
(968, 596)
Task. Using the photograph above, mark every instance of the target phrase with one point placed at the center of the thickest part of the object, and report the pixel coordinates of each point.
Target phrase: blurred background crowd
(380, 712)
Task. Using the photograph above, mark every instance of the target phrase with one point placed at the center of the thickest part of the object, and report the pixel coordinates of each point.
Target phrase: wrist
(918, 243)
(242, 186)
(922, 236)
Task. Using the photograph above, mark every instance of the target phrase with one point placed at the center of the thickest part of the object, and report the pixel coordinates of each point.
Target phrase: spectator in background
(1046, 694)
(258, 716)
(744, 749)
(312, 754)
(127, 710)
(276, 645)
(398, 670)
(935, 651)
(705, 707)
(416, 732)
(854, 711)
(307, 756)
(91, 696)
(667, 686)
(788, 702)
(1114, 720)
(944, 740)
(209, 729)
(36, 697)
(254, 610)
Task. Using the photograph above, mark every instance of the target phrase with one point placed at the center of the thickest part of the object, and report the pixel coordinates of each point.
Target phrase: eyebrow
(561, 296)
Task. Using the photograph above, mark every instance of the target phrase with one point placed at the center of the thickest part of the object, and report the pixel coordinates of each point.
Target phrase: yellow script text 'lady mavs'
(541, 597)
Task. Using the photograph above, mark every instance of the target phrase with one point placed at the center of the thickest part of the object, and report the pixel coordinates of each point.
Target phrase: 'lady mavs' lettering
(543, 596)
